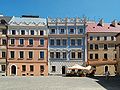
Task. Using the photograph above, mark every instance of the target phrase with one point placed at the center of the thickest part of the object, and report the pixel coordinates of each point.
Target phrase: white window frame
(10, 41)
(21, 30)
(23, 42)
(23, 54)
(28, 41)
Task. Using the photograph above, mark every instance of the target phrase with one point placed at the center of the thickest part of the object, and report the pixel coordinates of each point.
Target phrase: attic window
(93, 27)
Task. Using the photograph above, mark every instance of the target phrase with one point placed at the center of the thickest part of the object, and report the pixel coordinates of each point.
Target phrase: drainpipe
(6, 48)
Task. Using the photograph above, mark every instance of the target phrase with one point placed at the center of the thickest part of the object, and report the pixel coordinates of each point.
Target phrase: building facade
(66, 44)
(118, 53)
(27, 46)
(3, 43)
(101, 46)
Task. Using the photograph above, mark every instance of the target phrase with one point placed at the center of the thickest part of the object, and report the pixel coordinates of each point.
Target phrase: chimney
(101, 22)
(114, 23)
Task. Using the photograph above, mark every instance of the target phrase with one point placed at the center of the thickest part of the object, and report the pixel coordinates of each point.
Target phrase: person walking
(107, 73)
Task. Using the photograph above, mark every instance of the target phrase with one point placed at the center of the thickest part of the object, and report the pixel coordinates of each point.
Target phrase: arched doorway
(106, 68)
(63, 70)
(13, 70)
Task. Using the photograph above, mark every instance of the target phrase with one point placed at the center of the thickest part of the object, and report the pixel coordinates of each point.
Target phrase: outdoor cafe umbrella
(76, 66)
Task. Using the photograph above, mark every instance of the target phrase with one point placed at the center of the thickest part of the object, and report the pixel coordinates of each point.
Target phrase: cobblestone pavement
(51, 83)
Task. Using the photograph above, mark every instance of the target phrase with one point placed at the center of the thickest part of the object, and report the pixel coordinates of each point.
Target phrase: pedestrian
(107, 75)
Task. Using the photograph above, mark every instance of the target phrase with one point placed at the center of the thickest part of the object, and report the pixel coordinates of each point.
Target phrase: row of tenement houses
(34, 46)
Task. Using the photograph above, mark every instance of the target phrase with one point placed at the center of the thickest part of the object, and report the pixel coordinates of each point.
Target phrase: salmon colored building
(27, 46)
(101, 46)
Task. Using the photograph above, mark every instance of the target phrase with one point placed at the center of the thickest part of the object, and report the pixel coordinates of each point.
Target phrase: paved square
(55, 83)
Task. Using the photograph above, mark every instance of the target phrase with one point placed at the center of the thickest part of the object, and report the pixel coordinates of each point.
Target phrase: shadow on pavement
(112, 83)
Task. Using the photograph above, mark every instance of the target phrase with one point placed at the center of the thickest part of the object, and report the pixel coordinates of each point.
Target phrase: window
(30, 54)
(73, 42)
(105, 38)
(105, 56)
(57, 54)
(98, 38)
(62, 31)
(72, 54)
(41, 68)
(32, 32)
(51, 54)
(96, 46)
(79, 55)
(22, 32)
(21, 54)
(31, 68)
(112, 38)
(30, 41)
(119, 51)
(51, 41)
(4, 32)
(64, 55)
(105, 47)
(3, 41)
(3, 54)
(21, 41)
(13, 32)
(91, 46)
(80, 31)
(58, 42)
(52, 31)
(42, 41)
(12, 54)
(91, 38)
(71, 31)
(23, 68)
(12, 41)
(64, 42)
(41, 32)
(53, 68)
(79, 42)
(3, 67)
(42, 54)
(115, 56)
(96, 56)
(91, 56)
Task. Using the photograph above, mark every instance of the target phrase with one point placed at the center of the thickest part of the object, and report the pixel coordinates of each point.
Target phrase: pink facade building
(27, 47)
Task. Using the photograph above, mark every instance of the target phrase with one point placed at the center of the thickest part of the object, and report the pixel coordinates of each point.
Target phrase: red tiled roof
(94, 27)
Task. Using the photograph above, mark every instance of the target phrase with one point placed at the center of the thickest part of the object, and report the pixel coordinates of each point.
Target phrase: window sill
(105, 59)
(2, 58)
(30, 46)
(11, 58)
(40, 45)
(29, 58)
(40, 58)
(20, 58)
(20, 45)
(12, 45)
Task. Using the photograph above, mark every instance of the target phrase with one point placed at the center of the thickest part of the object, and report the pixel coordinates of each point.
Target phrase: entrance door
(13, 70)
(63, 69)
(106, 68)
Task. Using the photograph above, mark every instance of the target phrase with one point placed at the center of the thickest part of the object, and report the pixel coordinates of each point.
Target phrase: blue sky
(93, 9)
